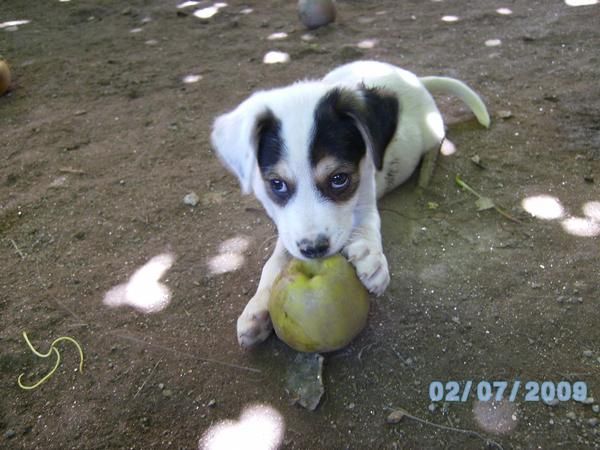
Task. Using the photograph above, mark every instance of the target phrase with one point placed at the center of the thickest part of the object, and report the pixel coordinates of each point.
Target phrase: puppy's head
(308, 152)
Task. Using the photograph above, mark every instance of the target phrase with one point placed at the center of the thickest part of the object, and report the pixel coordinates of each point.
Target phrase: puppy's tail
(444, 85)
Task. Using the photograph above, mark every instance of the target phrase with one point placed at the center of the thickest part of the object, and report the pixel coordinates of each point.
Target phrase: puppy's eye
(339, 181)
(278, 186)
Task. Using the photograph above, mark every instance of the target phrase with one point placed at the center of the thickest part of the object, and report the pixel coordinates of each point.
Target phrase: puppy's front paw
(371, 265)
(253, 326)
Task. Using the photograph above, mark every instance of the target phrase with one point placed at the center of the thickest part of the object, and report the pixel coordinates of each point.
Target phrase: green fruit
(318, 305)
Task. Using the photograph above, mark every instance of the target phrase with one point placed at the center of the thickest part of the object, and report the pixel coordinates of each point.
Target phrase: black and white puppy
(318, 155)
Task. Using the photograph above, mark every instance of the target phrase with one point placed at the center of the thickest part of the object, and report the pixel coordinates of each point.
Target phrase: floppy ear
(376, 115)
(234, 138)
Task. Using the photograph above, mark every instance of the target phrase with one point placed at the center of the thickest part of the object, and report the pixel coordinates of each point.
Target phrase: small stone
(593, 422)
(316, 13)
(588, 353)
(191, 199)
(351, 406)
(588, 401)
(161, 386)
(211, 403)
(432, 407)
(395, 417)
(571, 415)
(553, 402)
(505, 114)
(9, 434)
(596, 408)
(167, 393)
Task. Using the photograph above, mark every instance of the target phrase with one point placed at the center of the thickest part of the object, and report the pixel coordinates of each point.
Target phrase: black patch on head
(335, 133)
(380, 117)
(342, 114)
(269, 142)
(269, 151)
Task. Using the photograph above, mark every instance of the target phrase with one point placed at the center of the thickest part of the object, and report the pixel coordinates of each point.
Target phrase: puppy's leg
(365, 252)
(429, 161)
(254, 324)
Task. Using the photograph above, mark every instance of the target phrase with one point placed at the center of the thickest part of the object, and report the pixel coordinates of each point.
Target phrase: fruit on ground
(318, 305)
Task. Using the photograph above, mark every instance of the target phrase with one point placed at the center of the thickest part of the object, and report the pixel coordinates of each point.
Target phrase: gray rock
(9, 434)
(191, 199)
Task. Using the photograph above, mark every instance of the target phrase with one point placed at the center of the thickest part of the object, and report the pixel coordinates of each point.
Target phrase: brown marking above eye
(336, 180)
(279, 185)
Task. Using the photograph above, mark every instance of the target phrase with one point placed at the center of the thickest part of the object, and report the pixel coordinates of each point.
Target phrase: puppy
(318, 155)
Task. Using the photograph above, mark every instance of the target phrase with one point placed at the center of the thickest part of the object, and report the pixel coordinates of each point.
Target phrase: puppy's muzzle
(314, 249)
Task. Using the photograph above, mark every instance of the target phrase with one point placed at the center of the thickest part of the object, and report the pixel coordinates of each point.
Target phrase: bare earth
(101, 138)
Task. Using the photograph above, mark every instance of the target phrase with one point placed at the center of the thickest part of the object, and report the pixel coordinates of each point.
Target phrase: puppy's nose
(314, 249)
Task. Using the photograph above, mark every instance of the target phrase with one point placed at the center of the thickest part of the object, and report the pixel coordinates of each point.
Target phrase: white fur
(353, 227)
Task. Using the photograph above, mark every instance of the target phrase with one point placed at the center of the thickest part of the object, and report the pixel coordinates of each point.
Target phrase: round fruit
(318, 305)
(4, 77)
(316, 13)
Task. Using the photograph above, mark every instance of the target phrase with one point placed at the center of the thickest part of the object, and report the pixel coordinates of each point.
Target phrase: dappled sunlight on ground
(231, 256)
(143, 291)
(259, 427)
(13, 23)
(367, 43)
(450, 19)
(543, 207)
(548, 207)
(189, 79)
(275, 57)
(581, 2)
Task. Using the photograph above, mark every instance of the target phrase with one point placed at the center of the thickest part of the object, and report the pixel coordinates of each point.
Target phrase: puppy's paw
(371, 265)
(253, 327)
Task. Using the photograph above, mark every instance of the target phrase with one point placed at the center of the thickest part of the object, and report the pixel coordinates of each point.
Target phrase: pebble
(593, 422)
(588, 353)
(571, 415)
(504, 114)
(395, 417)
(161, 386)
(9, 434)
(553, 402)
(167, 392)
(191, 199)
(316, 13)
(432, 407)
(212, 403)
(596, 408)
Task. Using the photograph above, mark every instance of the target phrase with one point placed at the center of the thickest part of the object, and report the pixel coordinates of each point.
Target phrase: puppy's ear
(376, 113)
(234, 138)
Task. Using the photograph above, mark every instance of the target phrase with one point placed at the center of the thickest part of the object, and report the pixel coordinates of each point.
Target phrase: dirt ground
(106, 129)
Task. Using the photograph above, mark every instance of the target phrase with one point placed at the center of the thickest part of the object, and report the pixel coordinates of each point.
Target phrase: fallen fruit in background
(318, 305)
(4, 77)
(316, 13)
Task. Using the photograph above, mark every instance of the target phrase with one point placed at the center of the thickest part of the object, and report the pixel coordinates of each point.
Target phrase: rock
(305, 380)
(9, 434)
(167, 393)
(593, 422)
(395, 417)
(588, 353)
(596, 408)
(316, 13)
(211, 403)
(191, 199)
(571, 415)
(432, 407)
(505, 114)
